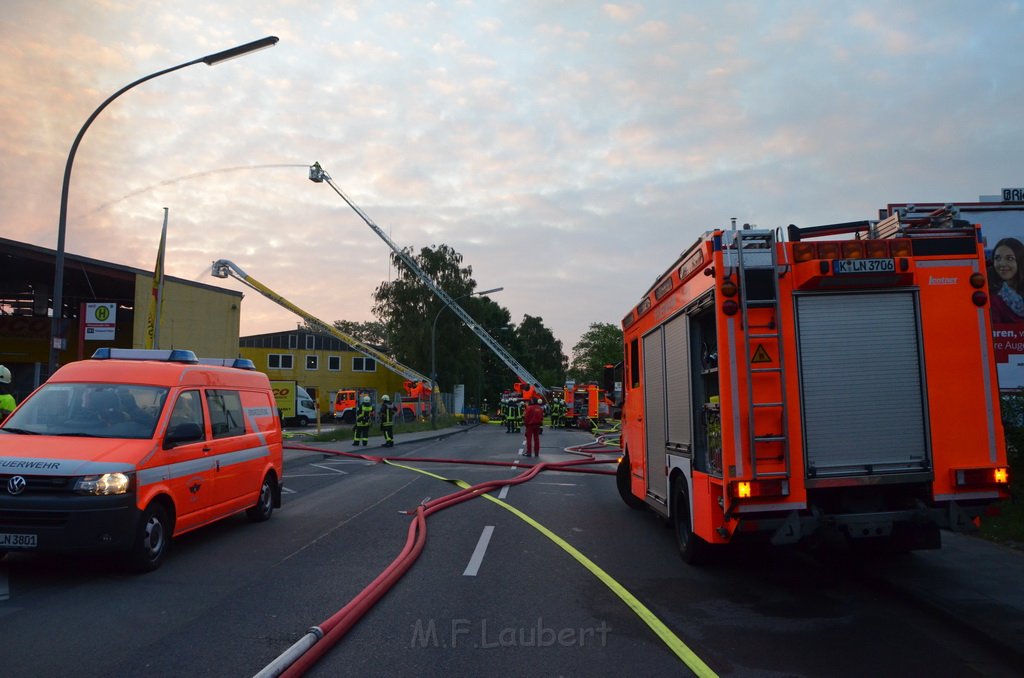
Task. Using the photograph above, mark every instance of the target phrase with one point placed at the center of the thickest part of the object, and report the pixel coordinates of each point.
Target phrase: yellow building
(199, 317)
(320, 363)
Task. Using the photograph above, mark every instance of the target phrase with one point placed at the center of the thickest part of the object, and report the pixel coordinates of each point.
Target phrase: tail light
(853, 249)
(900, 247)
(749, 489)
(803, 251)
(828, 250)
(998, 476)
(876, 249)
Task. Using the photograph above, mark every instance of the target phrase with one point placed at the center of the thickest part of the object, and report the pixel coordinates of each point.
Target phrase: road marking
(478, 553)
(5, 587)
(504, 492)
(287, 490)
(671, 640)
(333, 470)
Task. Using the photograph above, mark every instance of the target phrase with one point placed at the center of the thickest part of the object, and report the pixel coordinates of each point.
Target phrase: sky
(569, 150)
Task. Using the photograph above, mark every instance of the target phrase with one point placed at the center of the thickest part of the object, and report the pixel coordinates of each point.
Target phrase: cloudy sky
(570, 150)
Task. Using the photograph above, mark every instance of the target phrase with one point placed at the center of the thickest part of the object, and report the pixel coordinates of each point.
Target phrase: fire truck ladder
(317, 174)
(222, 268)
(756, 266)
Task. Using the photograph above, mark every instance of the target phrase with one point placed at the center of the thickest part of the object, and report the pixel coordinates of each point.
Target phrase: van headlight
(108, 483)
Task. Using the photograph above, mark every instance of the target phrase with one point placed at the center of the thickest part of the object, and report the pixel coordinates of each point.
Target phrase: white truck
(294, 403)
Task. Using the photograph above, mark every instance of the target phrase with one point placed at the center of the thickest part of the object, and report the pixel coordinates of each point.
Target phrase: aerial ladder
(222, 268)
(317, 174)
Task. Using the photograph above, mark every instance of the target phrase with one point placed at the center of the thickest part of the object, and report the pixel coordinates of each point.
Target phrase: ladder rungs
(763, 336)
(765, 369)
(769, 439)
(767, 404)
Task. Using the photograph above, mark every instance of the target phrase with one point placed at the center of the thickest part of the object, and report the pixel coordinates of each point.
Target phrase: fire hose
(318, 640)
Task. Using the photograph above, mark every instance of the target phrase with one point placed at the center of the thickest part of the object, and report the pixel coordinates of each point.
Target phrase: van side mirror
(182, 433)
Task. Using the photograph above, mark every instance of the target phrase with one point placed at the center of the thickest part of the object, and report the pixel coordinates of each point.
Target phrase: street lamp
(58, 278)
(433, 347)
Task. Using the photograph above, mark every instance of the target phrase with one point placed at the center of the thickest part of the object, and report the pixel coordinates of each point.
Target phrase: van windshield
(90, 410)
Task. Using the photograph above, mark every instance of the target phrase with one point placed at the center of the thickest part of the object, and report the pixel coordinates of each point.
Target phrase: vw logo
(16, 485)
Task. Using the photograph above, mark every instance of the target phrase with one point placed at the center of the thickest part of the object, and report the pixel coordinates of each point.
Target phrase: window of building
(312, 362)
(364, 365)
(279, 361)
(310, 342)
(334, 363)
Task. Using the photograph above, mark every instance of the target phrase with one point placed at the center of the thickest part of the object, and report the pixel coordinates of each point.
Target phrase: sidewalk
(374, 443)
(973, 582)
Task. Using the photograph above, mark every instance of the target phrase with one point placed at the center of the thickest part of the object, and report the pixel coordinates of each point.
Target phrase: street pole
(433, 352)
(57, 330)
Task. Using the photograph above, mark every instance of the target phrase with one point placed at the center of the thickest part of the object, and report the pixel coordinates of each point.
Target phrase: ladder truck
(318, 175)
(222, 268)
(788, 390)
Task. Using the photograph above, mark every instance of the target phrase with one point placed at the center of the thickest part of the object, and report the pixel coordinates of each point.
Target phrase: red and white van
(134, 447)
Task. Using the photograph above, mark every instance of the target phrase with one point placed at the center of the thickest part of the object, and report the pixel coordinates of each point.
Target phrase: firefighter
(364, 415)
(518, 408)
(7, 402)
(533, 417)
(507, 415)
(387, 420)
(558, 413)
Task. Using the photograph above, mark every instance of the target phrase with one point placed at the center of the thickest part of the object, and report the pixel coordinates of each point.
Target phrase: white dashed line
(478, 553)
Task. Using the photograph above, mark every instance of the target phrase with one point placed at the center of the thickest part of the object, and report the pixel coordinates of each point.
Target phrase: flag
(156, 297)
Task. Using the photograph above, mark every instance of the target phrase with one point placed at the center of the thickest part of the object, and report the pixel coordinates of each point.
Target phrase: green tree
(539, 351)
(599, 346)
(372, 332)
(406, 307)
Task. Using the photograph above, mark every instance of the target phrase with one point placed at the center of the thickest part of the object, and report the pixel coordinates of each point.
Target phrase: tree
(599, 346)
(406, 307)
(540, 352)
(372, 332)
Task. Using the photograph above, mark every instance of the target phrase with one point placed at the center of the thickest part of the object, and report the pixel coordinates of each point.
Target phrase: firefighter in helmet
(364, 415)
(7, 402)
(386, 415)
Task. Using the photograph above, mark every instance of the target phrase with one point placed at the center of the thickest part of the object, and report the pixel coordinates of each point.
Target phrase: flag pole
(157, 298)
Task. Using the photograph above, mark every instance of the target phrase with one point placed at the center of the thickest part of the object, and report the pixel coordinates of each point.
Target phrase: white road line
(478, 553)
(504, 492)
(5, 587)
(287, 490)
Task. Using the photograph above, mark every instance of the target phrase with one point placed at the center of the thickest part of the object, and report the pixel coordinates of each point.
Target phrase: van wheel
(303, 422)
(622, 482)
(692, 548)
(264, 507)
(151, 539)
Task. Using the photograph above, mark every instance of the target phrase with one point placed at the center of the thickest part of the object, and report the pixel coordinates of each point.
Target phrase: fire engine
(826, 380)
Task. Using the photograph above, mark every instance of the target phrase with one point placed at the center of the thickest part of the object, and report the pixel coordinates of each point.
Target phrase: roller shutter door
(677, 372)
(654, 411)
(862, 389)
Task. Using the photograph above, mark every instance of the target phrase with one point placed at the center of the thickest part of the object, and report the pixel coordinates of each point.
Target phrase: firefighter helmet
(366, 400)
(386, 398)
(5, 375)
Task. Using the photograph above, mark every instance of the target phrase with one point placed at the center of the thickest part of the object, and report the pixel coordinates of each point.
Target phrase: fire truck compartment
(862, 385)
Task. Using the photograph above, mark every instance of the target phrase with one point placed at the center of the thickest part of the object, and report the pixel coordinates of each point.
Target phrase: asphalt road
(489, 595)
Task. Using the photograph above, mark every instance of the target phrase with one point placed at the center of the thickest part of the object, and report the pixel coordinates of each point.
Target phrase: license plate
(841, 266)
(17, 541)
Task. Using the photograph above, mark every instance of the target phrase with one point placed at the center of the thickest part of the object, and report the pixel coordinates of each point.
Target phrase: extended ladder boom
(319, 175)
(222, 268)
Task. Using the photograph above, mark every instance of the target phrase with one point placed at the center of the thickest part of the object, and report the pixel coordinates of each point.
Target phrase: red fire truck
(841, 380)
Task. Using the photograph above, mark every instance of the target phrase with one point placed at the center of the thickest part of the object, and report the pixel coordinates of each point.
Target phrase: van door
(240, 452)
(191, 467)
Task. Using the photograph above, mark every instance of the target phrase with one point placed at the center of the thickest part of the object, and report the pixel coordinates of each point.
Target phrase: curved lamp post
(58, 278)
(433, 346)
